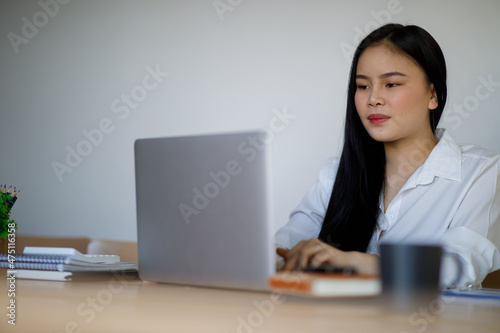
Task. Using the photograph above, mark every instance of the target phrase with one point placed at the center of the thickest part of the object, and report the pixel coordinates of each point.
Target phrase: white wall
(225, 72)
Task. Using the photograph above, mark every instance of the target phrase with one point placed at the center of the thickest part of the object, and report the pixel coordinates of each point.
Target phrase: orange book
(324, 285)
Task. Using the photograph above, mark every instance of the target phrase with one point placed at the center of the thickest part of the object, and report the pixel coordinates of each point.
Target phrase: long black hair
(354, 204)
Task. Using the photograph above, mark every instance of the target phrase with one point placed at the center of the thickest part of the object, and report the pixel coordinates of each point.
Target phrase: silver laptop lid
(203, 210)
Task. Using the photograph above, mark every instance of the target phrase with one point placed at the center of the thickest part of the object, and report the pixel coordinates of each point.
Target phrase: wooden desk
(113, 305)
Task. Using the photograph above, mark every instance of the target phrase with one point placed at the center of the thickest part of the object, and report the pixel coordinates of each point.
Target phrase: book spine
(291, 284)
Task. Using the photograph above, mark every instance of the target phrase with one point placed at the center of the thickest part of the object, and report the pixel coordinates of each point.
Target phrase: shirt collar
(444, 161)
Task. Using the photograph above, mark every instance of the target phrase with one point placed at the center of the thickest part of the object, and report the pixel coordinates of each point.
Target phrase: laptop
(203, 210)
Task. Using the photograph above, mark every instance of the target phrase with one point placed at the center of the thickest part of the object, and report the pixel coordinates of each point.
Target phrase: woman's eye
(392, 85)
(362, 87)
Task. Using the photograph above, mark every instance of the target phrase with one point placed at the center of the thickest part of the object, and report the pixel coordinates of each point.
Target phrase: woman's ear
(433, 101)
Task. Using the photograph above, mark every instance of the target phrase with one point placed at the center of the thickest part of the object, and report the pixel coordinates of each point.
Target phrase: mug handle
(460, 268)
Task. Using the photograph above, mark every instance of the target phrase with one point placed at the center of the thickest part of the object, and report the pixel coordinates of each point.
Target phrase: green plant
(6, 203)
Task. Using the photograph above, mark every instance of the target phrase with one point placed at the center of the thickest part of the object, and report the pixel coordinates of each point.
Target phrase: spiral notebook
(63, 259)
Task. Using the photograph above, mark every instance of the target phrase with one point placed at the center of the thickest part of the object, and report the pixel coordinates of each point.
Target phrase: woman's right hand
(313, 253)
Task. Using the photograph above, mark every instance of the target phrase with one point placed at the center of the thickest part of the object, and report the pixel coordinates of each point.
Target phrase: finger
(324, 256)
(291, 256)
(333, 257)
(298, 257)
(294, 250)
(290, 263)
(282, 252)
(292, 260)
(307, 253)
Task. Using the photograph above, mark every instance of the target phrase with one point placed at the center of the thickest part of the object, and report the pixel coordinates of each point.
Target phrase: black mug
(410, 274)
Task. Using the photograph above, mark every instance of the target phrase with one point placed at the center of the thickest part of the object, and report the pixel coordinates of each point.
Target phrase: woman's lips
(377, 118)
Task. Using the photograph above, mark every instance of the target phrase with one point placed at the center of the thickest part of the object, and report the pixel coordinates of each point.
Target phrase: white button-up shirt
(453, 199)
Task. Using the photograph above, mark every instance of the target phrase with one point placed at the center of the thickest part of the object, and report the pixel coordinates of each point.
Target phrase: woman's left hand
(313, 253)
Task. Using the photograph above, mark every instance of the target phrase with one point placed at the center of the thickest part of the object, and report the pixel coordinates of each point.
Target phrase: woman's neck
(404, 157)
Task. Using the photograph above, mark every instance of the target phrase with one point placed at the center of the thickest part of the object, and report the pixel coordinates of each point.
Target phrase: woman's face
(393, 97)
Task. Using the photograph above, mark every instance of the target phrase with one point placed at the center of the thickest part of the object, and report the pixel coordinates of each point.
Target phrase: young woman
(399, 179)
